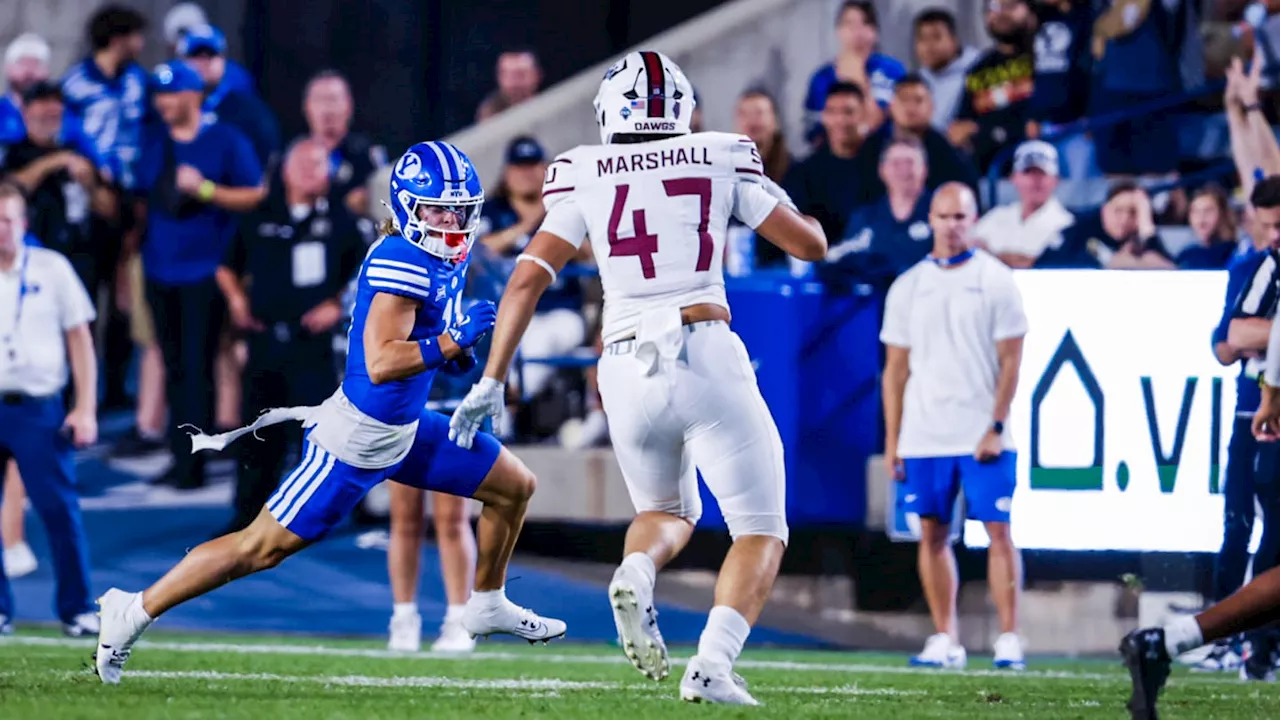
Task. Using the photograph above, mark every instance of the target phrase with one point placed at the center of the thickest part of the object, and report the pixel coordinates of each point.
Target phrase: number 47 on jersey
(643, 244)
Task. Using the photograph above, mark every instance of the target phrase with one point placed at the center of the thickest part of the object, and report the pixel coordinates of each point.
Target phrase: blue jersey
(396, 266)
(1240, 275)
(112, 112)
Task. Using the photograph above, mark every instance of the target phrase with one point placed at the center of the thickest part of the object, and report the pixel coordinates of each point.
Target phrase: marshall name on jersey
(657, 214)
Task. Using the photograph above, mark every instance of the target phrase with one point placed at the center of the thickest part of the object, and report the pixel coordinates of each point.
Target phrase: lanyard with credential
(11, 338)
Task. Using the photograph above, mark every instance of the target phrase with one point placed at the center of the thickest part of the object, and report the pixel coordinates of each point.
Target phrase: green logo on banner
(1090, 477)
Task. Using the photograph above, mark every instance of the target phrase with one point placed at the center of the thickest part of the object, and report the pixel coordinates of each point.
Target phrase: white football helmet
(644, 93)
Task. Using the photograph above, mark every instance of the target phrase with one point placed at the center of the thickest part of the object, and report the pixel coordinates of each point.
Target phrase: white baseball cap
(181, 17)
(1036, 155)
(27, 45)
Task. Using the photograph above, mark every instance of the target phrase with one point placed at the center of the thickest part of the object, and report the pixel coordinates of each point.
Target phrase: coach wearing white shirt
(953, 328)
(44, 321)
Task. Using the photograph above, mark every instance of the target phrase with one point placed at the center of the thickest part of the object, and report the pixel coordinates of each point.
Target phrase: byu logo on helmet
(436, 198)
(410, 166)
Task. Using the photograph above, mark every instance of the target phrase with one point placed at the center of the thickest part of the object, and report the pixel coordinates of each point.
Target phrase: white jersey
(657, 214)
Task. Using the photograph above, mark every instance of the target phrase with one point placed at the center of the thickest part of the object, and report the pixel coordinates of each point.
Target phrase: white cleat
(453, 639)
(940, 652)
(637, 623)
(709, 683)
(511, 619)
(19, 561)
(1008, 653)
(116, 635)
(405, 633)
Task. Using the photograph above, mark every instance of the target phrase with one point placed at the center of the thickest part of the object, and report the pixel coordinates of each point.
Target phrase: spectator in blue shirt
(107, 91)
(1214, 225)
(204, 47)
(858, 31)
(883, 239)
(184, 16)
(193, 178)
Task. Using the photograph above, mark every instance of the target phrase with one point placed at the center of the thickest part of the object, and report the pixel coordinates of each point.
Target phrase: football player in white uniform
(677, 384)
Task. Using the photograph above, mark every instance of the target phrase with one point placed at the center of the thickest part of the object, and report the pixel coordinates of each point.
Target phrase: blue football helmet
(436, 198)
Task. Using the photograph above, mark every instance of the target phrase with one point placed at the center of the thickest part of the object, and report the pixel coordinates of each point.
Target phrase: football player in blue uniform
(407, 324)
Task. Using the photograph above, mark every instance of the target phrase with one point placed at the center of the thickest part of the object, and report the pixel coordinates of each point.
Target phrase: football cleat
(1148, 661)
(636, 620)
(116, 635)
(707, 682)
(941, 652)
(511, 619)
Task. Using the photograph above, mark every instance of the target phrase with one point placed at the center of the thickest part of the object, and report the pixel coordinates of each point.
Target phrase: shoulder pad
(558, 184)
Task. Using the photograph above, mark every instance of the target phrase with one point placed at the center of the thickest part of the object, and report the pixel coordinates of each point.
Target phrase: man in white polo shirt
(953, 328)
(1018, 233)
(44, 322)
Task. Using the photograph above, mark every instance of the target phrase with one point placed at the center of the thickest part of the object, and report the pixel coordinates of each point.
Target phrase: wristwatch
(997, 427)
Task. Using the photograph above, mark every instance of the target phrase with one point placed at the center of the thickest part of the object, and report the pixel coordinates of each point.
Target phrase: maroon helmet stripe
(657, 103)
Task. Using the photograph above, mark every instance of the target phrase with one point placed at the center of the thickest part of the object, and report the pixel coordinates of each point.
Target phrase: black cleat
(1148, 661)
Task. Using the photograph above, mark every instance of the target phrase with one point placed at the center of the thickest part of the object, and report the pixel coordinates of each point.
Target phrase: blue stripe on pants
(30, 433)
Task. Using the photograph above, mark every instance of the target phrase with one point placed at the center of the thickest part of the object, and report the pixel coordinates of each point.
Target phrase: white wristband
(525, 257)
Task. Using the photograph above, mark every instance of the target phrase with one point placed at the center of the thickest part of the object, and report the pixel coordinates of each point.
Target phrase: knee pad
(772, 524)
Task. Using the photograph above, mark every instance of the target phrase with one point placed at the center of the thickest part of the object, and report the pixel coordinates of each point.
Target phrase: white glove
(487, 398)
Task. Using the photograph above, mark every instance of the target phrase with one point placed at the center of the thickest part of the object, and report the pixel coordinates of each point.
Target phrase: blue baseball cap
(525, 150)
(175, 77)
(202, 39)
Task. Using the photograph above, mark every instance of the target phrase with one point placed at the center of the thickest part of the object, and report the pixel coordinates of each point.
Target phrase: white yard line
(545, 687)
(570, 659)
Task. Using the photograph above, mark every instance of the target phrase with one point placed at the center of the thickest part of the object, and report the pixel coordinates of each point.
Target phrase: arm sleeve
(896, 306)
(966, 111)
(75, 308)
(564, 218)
(1010, 319)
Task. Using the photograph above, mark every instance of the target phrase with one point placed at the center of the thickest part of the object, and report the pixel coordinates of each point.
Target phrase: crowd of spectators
(154, 182)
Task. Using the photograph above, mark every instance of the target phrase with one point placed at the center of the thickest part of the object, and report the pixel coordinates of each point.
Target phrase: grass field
(185, 676)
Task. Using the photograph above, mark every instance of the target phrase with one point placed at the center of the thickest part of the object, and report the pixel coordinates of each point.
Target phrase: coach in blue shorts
(953, 329)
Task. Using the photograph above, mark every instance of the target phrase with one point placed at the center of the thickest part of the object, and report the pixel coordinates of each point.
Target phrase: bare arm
(800, 236)
(388, 353)
(1244, 334)
(893, 385)
(228, 283)
(84, 368)
(237, 199)
(1225, 354)
(32, 175)
(528, 281)
(1009, 355)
